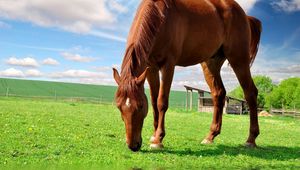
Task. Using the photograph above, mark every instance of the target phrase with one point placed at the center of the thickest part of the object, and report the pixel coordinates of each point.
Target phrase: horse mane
(146, 25)
(149, 18)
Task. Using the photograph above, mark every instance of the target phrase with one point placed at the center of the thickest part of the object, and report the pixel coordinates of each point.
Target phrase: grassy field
(63, 134)
(30, 88)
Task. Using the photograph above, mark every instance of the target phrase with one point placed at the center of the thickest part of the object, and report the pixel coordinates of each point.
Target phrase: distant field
(46, 88)
(27, 88)
(54, 134)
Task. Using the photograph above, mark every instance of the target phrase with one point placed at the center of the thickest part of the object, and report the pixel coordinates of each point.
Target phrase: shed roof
(200, 90)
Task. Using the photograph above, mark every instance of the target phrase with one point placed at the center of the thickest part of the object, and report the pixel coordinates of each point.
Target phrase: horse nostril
(135, 147)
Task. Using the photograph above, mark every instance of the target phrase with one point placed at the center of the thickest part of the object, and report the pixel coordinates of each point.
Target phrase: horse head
(132, 102)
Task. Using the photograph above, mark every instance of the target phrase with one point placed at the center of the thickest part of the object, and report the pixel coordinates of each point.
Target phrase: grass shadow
(266, 152)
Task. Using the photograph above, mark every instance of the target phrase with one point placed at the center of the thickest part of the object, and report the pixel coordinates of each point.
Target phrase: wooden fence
(283, 112)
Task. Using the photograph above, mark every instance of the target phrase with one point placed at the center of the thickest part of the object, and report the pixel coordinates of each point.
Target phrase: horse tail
(256, 29)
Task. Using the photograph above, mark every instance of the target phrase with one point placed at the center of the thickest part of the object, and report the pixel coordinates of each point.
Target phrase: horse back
(195, 30)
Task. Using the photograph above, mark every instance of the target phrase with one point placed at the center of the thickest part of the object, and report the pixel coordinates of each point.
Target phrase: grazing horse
(169, 33)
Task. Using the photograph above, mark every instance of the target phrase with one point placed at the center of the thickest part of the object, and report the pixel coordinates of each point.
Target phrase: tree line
(284, 95)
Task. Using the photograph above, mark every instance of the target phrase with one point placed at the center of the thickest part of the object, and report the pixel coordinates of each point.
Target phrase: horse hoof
(250, 145)
(152, 139)
(159, 146)
(206, 142)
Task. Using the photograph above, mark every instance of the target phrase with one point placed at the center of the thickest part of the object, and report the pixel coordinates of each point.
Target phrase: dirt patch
(264, 114)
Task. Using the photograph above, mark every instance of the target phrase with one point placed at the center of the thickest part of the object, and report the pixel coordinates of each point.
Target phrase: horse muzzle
(135, 146)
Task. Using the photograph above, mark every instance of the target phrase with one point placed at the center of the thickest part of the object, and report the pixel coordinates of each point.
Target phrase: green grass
(57, 134)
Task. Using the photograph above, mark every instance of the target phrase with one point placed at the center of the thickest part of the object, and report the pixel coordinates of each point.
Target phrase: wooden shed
(205, 104)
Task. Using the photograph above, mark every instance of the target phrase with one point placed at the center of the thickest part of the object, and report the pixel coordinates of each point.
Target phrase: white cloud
(33, 47)
(50, 61)
(102, 81)
(190, 76)
(193, 76)
(24, 62)
(114, 5)
(247, 5)
(291, 69)
(33, 73)
(80, 16)
(107, 36)
(79, 74)
(11, 72)
(279, 66)
(103, 68)
(92, 17)
(101, 75)
(4, 25)
(77, 57)
(287, 6)
(277, 73)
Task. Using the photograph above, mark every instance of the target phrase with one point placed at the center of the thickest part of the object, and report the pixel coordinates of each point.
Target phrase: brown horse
(166, 33)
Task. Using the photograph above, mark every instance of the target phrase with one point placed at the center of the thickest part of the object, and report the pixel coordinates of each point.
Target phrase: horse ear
(116, 76)
(141, 79)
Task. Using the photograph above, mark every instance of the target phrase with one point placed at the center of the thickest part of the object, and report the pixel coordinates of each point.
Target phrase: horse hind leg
(240, 62)
(211, 70)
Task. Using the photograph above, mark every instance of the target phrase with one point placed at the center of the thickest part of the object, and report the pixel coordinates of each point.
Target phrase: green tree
(237, 93)
(297, 97)
(264, 85)
(287, 94)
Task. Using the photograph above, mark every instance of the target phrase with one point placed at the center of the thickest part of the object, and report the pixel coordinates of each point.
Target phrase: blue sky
(81, 40)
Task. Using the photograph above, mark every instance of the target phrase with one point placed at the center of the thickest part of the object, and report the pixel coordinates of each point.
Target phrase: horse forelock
(128, 89)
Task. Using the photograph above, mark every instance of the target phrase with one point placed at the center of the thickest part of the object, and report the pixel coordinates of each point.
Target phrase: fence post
(282, 108)
(294, 111)
(191, 101)
(187, 98)
(100, 101)
(7, 91)
(55, 95)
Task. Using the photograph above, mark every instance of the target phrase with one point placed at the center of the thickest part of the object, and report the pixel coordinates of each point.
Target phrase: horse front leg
(167, 73)
(153, 80)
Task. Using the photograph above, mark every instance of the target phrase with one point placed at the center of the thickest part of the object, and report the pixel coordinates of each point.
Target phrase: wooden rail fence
(283, 112)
